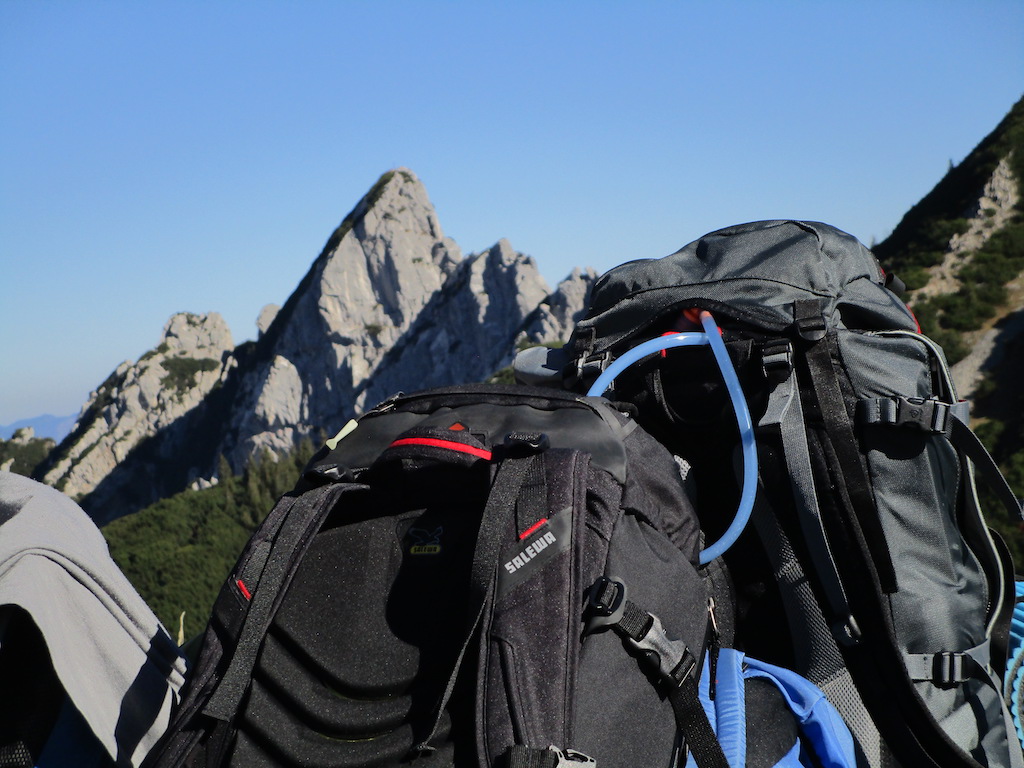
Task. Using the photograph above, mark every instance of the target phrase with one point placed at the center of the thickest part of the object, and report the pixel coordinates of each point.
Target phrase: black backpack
(488, 575)
(867, 567)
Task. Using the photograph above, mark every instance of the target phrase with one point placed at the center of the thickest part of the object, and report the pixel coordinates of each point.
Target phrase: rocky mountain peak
(390, 303)
(139, 399)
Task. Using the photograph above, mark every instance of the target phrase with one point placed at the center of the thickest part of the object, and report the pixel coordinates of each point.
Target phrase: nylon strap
(850, 472)
(675, 665)
(964, 439)
(303, 519)
(817, 653)
(785, 413)
(521, 756)
(495, 522)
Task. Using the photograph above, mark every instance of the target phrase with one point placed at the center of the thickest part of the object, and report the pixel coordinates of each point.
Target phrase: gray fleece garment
(116, 662)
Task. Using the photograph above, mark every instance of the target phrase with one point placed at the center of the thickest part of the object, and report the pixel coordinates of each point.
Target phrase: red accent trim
(664, 352)
(916, 321)
(451, 445)
(243, 589)
(533, 528)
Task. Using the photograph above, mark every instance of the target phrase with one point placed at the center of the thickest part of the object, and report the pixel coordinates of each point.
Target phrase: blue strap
(819, 722)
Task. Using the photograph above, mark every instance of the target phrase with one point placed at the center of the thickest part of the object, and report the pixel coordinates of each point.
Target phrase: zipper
(937, 355)
(400, 399)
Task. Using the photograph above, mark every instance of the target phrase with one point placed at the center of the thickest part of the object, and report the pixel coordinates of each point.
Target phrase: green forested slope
(179, 551)
(988, 296)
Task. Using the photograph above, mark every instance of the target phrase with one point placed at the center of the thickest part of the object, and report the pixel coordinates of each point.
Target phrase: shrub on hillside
(179, 551)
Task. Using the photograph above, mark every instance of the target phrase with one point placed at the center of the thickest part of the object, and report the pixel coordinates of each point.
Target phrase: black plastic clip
(672, 658)
(929, 415)
(519, 445)
(606, 602)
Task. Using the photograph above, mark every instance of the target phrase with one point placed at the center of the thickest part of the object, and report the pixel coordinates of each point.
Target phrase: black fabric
(392, 640)
(772, 729)
(306, 515)
(879, 550)
(30, 691)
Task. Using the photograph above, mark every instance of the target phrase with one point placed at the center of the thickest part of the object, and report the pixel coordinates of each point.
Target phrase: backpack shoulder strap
(671, 660)
(509, 478)
(301, 519)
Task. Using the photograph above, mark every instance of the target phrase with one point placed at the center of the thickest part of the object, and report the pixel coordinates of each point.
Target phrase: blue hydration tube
(711, 337)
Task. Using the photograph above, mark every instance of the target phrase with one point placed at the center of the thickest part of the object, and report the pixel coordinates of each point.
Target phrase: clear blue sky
(158, 157)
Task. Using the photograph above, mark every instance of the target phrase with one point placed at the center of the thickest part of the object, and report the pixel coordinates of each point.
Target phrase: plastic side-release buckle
(930, 415)
(926, 414)
(672, 658)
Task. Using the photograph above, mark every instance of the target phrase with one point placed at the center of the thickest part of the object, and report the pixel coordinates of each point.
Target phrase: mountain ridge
(389, 303)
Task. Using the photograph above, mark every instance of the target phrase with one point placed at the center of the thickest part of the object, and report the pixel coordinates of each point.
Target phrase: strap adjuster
(949, 668)
(777, 359)
(606, 602)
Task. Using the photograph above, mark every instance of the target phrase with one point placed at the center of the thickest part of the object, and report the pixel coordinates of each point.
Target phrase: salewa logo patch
(530, 551)
(426, 542)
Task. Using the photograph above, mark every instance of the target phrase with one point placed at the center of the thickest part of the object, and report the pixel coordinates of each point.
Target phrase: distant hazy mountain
(56, 427)
(389, 304)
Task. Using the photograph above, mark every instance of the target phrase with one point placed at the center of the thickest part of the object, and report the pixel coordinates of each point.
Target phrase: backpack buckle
(929, 415)
(777, 360)
(948, 669)
(606, 602)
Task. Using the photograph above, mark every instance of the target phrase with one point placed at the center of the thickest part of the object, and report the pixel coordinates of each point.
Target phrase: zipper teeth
(400, 400)
(936, 352)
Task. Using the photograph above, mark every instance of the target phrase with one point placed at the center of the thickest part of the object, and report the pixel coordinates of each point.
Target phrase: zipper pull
(389, 403)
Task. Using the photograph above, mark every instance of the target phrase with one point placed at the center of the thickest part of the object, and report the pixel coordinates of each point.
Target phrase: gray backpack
(867, 566)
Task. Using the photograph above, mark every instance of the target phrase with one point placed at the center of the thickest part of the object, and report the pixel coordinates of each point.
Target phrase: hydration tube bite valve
(711, 336)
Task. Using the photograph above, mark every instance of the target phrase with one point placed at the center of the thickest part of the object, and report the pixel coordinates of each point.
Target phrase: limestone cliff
(140, 399)
(389, 304)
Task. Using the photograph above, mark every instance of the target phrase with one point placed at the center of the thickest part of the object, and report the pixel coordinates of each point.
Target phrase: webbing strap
(964, 439)
(304, 516)
(671, 659)
(521, 756)
(495, 522)
(850, 473)
(785, 413)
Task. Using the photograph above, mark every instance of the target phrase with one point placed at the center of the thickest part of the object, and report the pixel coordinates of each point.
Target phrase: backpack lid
(752, 273)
